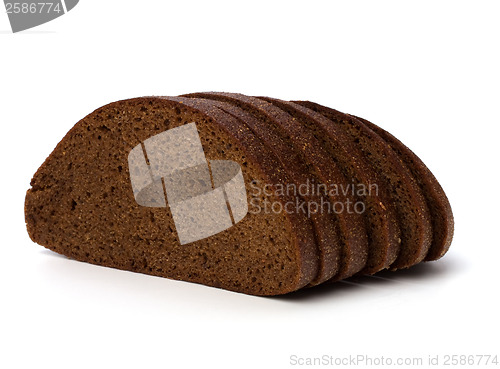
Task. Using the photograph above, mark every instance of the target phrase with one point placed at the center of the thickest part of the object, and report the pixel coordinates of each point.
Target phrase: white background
(427, 71)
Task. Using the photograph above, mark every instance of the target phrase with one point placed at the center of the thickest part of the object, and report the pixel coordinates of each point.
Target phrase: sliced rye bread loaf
(408, 199)
(309, 155)
(437, 202)
(81, 203)
(381, 219)
(325, 226)
(167, 186)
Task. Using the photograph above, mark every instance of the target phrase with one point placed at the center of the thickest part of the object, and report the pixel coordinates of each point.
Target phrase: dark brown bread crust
(313, 158)
(81, 204)
(382, 222)
(413, 214)
(437, 202)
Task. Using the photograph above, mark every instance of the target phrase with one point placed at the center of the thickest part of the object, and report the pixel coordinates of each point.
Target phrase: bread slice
(82, 202)
(318, 160)
(408, 200)
(437, 202)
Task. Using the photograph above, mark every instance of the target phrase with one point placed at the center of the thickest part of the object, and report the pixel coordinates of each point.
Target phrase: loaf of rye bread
(242, 193)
